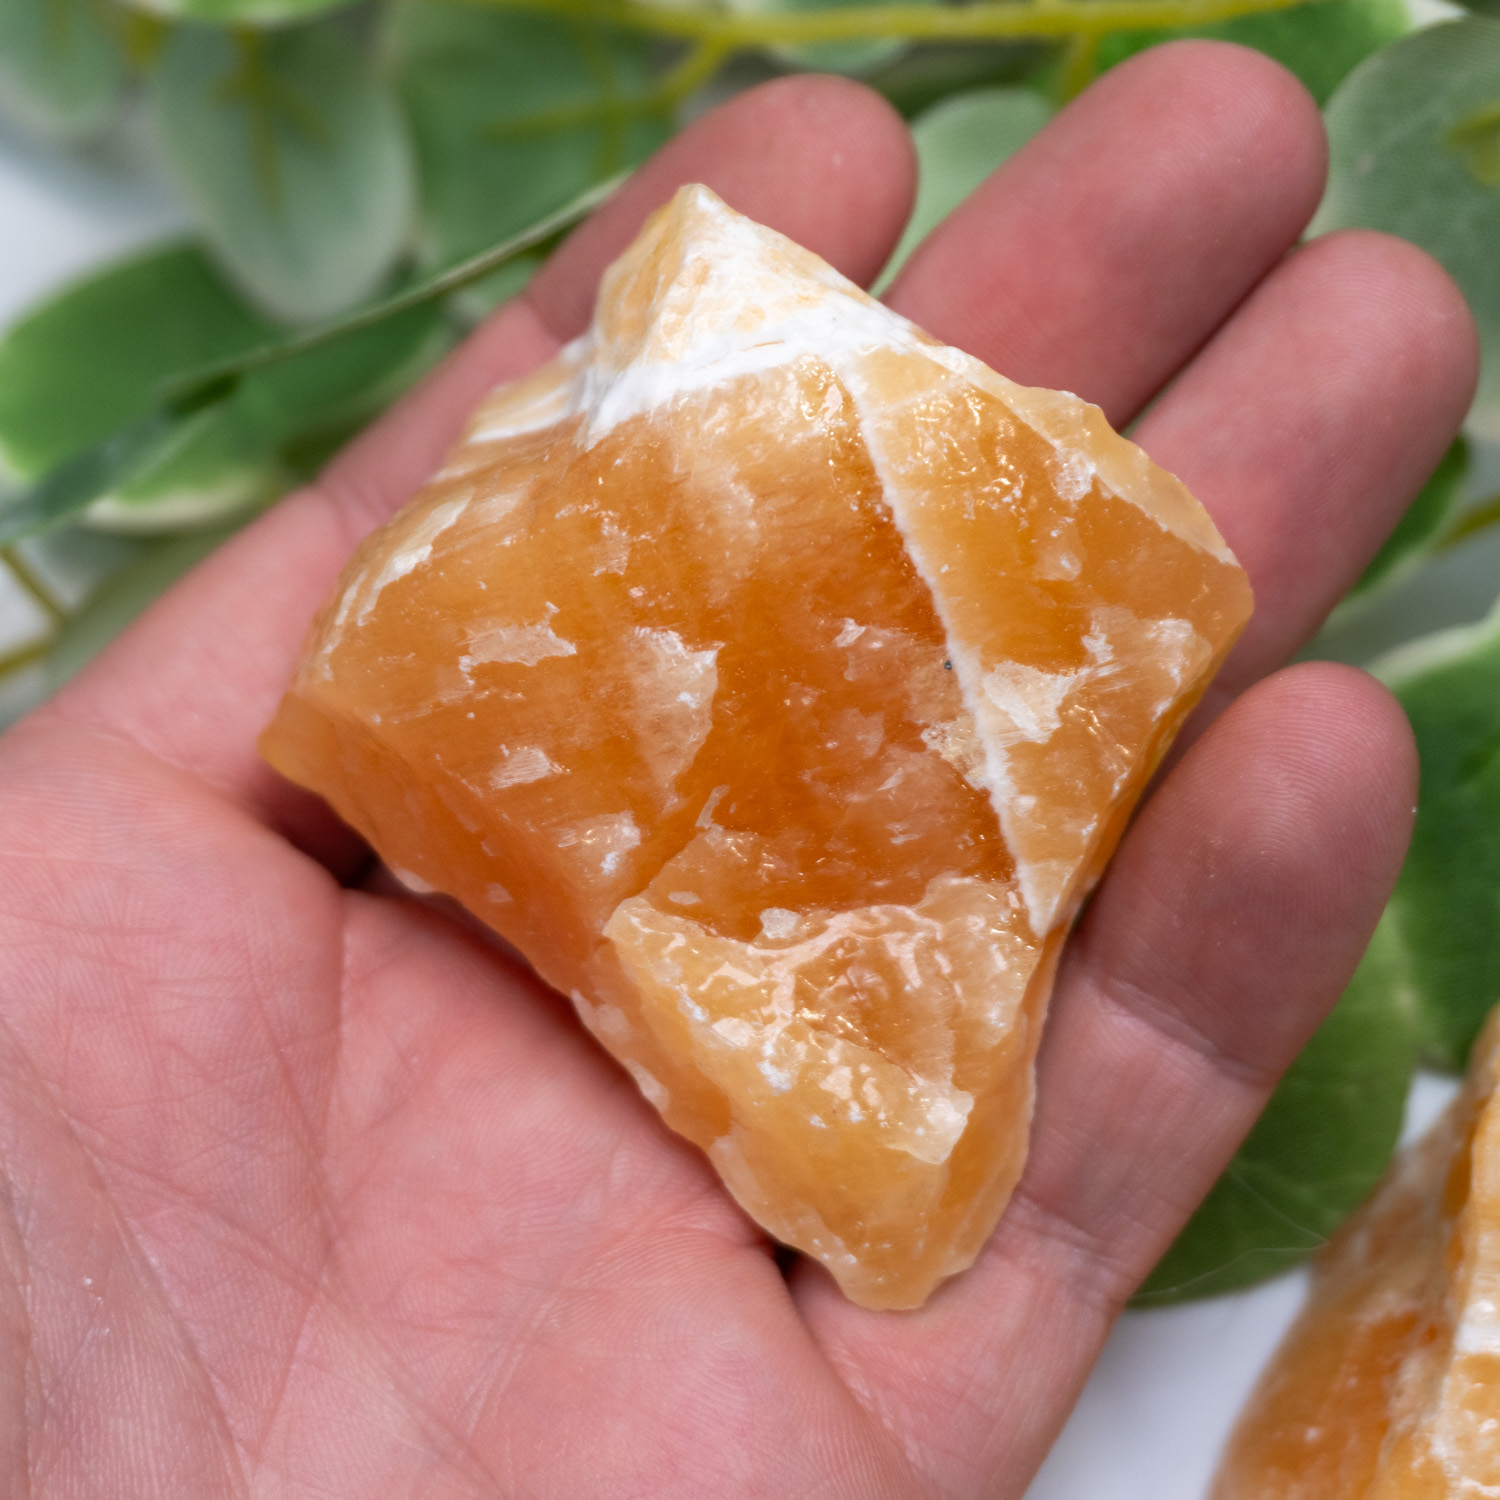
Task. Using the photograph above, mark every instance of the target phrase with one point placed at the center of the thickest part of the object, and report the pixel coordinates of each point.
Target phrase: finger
(199, 676)
(825, 161)
(1229, 923)
(1101, 255)
(1310, 421)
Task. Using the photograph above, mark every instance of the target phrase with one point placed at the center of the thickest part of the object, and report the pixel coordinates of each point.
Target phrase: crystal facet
(1388, 1386)
(777, 679)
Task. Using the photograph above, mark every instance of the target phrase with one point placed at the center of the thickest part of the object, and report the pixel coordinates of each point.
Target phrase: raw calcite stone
(1388, 1387)
(777, 680)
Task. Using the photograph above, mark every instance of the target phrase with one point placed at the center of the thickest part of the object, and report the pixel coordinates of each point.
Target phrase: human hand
(307, 1188)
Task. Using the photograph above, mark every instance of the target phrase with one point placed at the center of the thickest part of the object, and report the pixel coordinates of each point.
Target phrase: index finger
(195, 680)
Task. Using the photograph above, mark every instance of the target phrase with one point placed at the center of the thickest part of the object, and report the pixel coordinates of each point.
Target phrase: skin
(305, 1189)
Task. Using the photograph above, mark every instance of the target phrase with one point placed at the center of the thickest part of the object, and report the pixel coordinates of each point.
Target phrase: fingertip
(1311, 420)
(824, 160)
(1105, 251)
(1336, 755)
(860, 172)
(1266, 857)
(1237, 100)
(1311, 776)
(1439, 342)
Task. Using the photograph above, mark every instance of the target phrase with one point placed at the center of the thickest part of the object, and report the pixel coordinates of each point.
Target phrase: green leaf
(92, 359)
(209, 468)
(208, 382)
(123, 595)
(515, 112)
(62, 69)
(294, 154)
(245, 450)
(1424, 523)
(1318, 1148)
(176, 468)
(91, 364)
(1415, 151)
(1320, 43)
(66, 491)
(1445, 911)
(959, 143)
(295, 393)
(345, 380)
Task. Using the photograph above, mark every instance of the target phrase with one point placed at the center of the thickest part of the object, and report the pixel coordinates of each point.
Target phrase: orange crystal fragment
(777, 680)
(1388, 1386)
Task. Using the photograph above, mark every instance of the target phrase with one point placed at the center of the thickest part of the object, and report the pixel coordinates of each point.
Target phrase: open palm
(305, 1188)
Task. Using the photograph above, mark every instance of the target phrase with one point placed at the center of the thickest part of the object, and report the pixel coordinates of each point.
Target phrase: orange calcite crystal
(1388, 1387)
(777, 680)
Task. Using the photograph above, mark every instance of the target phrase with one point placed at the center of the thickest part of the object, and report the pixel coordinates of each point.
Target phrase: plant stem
(1481, 518)
(22, 657)
(1080, 62)
(700, 64)
(33, 585)
(695, 69)
(985, 19)
(202, 385)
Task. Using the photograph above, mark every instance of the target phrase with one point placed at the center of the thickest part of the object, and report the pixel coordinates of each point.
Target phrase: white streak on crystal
(529, 405)
(1027, 700)
(1072, 476)
(673, 687)
(648, 1084)
(605, 839)
(777, 923)
(705, 816)
(417, 550)
(613, 1022)
(524, 645)
(1479, 1329)
(779, 1079)
(523, 765)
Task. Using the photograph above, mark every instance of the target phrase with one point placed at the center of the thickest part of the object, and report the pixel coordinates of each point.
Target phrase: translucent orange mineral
(1388, 1387)
(777, 680)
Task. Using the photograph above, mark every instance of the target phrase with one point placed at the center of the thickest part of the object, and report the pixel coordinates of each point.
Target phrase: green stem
(1080, 63)
(33, 585)
(208, 382)
(18, 660)
(701, 63)
(917, 23)
(692, 72)
(1481, 518)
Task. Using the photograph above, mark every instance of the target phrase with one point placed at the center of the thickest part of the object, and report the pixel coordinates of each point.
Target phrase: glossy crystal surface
(777, 679)
(1388, 1386)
